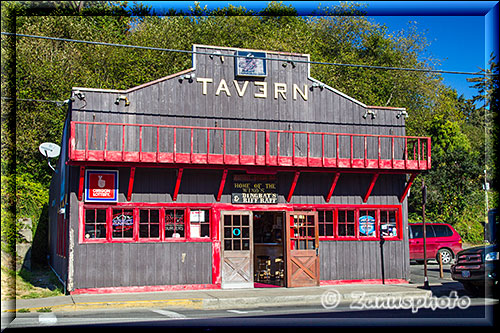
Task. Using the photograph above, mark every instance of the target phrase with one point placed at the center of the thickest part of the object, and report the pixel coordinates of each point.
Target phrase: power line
(435, 71)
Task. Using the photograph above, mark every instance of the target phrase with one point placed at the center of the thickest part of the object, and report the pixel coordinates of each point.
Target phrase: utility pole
(424, 200)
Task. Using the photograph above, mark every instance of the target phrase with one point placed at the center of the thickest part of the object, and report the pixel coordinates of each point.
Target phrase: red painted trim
(372, 184)
(332, 188)
(113, 290)
(81, 183)
(177, 184)
(407, 188)
(131, 183)
(222, 183)
(365, 281)
(294, 183)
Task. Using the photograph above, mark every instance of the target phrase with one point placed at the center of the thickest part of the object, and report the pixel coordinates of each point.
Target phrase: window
(325, 222)
(442, 231)
(123, 223)
(200, 223)
(346, 223)
(174, 223)
(149, 223)
(95, 223)
(418, 231)
(367, 223)
(236, 232)
(62, 235)
(388, 225)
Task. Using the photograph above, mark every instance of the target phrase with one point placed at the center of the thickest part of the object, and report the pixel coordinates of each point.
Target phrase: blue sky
(461, 33)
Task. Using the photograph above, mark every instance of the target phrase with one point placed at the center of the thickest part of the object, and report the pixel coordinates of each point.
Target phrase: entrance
(269, 250)
(302, 249)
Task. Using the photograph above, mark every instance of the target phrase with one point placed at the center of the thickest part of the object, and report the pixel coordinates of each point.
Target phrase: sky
(461, 33)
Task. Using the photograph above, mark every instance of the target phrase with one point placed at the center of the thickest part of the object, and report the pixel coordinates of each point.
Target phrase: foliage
(47, 70)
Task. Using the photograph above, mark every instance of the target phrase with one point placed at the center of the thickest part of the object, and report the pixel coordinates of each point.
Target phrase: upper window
(346, 223)
(149, 223)
(123, 223)
(174, 223)
(95, 223)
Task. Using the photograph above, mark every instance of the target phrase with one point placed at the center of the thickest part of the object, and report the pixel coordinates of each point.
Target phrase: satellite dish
(49, 149)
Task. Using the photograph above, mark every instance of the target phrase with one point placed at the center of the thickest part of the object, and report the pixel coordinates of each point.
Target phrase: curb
(231, 302)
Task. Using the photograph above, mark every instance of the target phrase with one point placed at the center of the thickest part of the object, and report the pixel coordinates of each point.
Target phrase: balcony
(215, 146)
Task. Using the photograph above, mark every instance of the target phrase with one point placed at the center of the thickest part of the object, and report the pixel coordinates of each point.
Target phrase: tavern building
(240, 172)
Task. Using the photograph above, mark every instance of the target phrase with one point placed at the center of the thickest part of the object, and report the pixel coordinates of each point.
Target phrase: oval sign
(236, 232)
(367, 225)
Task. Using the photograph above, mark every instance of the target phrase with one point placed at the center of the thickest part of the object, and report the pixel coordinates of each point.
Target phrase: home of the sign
(254, 189)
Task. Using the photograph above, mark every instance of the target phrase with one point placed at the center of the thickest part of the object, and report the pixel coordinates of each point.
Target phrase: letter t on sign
(204, 82)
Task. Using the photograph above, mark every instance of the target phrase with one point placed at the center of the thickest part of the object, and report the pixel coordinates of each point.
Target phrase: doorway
(269, 249)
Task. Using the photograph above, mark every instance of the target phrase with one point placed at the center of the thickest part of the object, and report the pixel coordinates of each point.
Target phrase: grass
(38, 283)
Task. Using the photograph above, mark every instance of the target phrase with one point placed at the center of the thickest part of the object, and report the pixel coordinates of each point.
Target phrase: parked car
(441, 239)
(476, 268)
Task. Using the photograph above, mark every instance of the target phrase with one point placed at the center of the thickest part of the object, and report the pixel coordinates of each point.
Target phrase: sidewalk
(216, 298)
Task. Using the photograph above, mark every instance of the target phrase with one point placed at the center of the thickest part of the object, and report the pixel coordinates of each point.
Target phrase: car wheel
(446, 256)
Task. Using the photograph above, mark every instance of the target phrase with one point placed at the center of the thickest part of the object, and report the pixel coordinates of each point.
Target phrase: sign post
(424, 200)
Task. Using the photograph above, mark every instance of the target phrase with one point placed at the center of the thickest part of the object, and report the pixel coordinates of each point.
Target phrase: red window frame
(136, 231)
(149, 222)
(390, 211)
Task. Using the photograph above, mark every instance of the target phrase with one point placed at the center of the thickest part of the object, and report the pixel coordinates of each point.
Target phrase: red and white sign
(101, 185)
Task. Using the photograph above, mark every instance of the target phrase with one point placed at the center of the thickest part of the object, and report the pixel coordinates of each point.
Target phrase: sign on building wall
(250, 63)
(101, 185)
(254, 189)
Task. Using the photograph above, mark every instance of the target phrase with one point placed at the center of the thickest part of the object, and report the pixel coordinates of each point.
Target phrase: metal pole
(424, 200)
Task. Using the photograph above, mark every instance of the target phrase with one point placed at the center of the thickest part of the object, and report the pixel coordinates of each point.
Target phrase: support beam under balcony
(372, 184)
(222, 183)
(81, 183)
(332, 188)
(292, 188)
(131, 183)
(177, 184)
(407, 188)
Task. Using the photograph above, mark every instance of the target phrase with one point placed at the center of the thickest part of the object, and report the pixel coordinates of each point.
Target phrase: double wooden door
(302, 249)
(237, 249)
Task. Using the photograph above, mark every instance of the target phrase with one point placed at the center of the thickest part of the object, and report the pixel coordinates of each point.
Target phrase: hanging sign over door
(254, 189)
(101, 185)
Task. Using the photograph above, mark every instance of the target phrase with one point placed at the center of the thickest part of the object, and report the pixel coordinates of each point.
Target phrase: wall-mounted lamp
(372, 113)
(317, 85)
(78, 94)
(217, 53)
(289, 62)
(402, 113)
(188, 77)
(122, 98)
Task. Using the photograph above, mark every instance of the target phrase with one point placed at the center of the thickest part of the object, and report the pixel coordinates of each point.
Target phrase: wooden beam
(81, 183)
(332, 188)
(292, 188)
(372, 184)
(222, 183)
(177, 184)
(407, 188)
(131, 183)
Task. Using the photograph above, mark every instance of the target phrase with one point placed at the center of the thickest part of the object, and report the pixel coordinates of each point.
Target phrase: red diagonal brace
(407, 188)
(177, 184)
(292, 188)
(81, 183)
(222, 183)
(372, 184)
(332, 188)
(131, 183)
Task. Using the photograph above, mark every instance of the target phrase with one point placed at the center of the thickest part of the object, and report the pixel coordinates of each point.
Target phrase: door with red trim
(302, 248)
(237, 249)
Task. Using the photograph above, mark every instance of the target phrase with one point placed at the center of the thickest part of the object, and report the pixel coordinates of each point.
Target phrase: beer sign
(101, 186)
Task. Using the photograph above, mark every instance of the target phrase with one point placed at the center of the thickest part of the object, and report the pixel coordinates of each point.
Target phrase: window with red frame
(95, 223)
(326, 222)
(149, 223)
(346, 223)
(122, 223)
(199, 223)
(174, 223)
(367, 223)
(388, 223)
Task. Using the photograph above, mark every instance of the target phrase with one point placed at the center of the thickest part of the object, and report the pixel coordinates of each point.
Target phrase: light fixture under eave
(372, 113)
(122, 98)
(402, 113)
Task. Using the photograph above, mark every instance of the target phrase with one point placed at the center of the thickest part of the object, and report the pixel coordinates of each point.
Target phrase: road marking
(47, 319)
(169, 314)
(240, 312)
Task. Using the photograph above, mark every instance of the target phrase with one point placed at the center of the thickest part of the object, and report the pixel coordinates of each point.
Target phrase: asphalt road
(477, 311)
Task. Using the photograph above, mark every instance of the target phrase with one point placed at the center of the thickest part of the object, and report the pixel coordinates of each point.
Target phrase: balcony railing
(171, 144)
